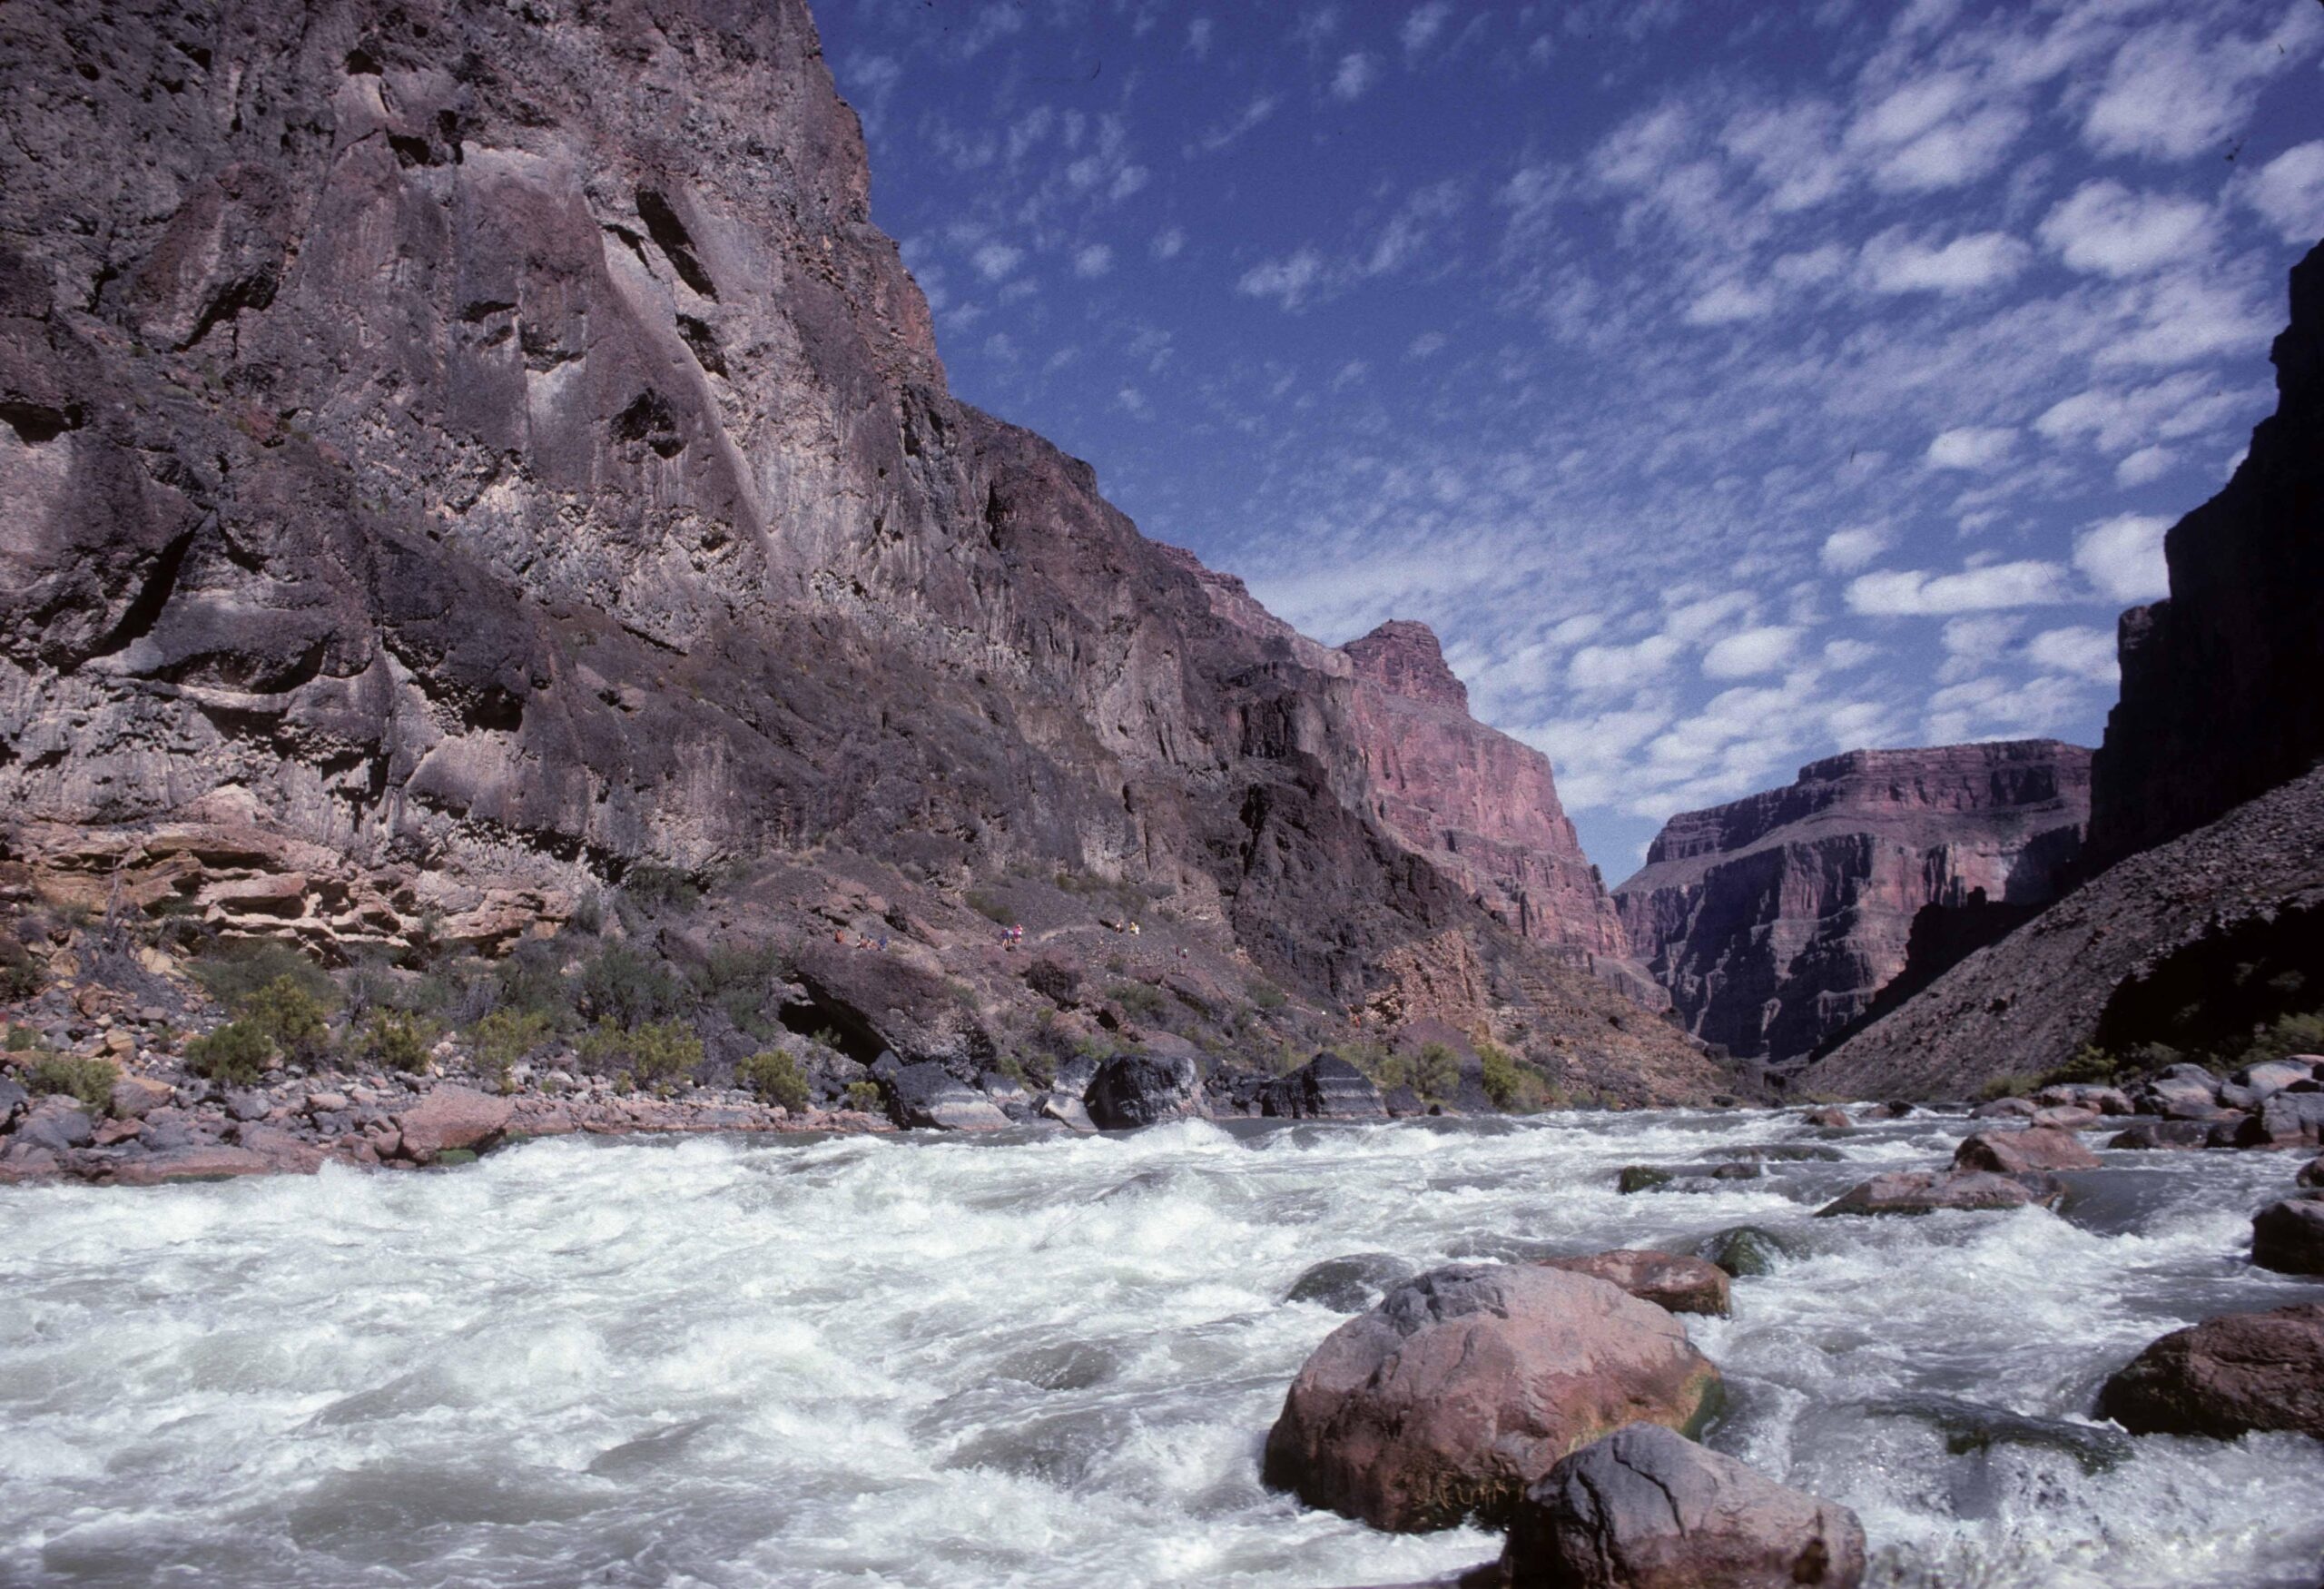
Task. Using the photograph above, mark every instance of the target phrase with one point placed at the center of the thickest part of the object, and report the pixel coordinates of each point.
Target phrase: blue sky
(1729, 385)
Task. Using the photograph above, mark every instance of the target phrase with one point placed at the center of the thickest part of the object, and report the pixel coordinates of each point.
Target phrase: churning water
(1049, 1362)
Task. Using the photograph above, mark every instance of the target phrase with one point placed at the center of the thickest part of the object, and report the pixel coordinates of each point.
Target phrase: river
(1035, 1361)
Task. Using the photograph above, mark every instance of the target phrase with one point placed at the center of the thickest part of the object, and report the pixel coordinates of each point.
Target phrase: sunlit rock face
(453, 454)
(2220, 701)
(1775, 920)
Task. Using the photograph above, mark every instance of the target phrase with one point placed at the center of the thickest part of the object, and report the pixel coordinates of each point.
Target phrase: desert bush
(87, 1081)
(1267, 996)
(863, 1096)
(2285, 1036)
(775, 1078)
(660, 888)
(2010, 1086)
(236, 1054)
(21, 972)
(236, 973)
(620, 985)
(531, 979)
(506, 1036)
(398, 1040)
(1510, 1085)
(990, 906)
(654, 1055)
(288, 1011)
(1138, 999)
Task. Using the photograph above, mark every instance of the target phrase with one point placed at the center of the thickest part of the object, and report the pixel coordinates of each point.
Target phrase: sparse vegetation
(1511, 1086)
(660, 888)
(87, 1081)
(504, 1037)
(21, 972)
(398, 1040)
(289, 1013)
(863, 1096)
(1267, 996)
(653, 1056)
(775, 1078)
(1138, 999)
(621, 986)
(235, 974)
(990, 906)
(2013, 1086)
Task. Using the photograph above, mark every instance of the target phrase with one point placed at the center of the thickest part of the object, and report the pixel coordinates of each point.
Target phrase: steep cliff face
(1482, 806)
(2219, 696)
(1775, 920)
(455, 455)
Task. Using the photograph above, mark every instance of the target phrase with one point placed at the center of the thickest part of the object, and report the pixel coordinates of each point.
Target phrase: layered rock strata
(1775, 921)
(458, 458)
(2219, 699)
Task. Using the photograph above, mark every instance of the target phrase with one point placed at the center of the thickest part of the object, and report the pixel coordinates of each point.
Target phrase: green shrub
(504, 1037)
(2285, 1036)
(2012, 1086)
(89, 1082)
(1267, 996)
(398, 1040)
(1138, 999)
(863, 1096)
(236, 973)
(19, 1038)
(1436, 1071)
(991, 907)
(236, 1054)
(289, 1013)
(21, 971)
(654, 1055)
(624, 987)
(775, 1078)
(2091, 1065)
(660, 888)
(1510, 1085)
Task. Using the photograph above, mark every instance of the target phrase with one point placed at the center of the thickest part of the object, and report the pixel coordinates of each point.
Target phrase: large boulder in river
(452, 1118)
(1326, 1087)
(2255, 1084)
(2180, 1092)
(1467, 1384)
(1644, 1508)
(1926, 1191)
(1130, 1090)
(2289, 1236)
(2285, 1119)
(1680, 1285)
(2162, 1134)
(2037, 1148)
(2226, 1377)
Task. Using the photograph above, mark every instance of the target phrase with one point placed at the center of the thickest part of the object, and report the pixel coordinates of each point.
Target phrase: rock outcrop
(2226, 1377)
(1482, 806)
(1466, 1385)
(461, 458)
(2218, 701)
(1775, 921)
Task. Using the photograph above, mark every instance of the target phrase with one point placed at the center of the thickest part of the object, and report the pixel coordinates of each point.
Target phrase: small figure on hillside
(1133, 929)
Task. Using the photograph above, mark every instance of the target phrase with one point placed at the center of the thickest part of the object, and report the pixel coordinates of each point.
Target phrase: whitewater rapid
(1042, 1361)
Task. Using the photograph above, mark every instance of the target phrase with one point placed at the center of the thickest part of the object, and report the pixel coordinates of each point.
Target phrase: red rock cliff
(1775, 920)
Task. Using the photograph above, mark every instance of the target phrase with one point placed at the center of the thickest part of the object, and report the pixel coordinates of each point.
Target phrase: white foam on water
(1045, 1362)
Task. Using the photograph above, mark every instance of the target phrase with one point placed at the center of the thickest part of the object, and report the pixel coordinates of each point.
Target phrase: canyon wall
(456, 457)
(1775, 921)
(2220, 699)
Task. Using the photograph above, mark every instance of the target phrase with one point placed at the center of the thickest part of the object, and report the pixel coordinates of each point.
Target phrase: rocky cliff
(1775, 920)
(2219, 696)
(458, 458)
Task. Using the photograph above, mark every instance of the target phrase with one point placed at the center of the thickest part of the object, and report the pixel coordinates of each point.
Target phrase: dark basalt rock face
(1326, 1087)
(459, 456)
(2219, 698)
(1775, 921)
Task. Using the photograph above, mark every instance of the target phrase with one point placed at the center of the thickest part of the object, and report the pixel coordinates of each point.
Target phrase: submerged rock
(2037, 1148)
(1644, 1508)
(1831, 1119)
(2226, 1377)
(2161, 1133)
(1745, 1250)
(1349, 1284)
(1467, 1384)
(1969, 1425)
(1676, 1283)
(1926, 1191)
(1130, 1090)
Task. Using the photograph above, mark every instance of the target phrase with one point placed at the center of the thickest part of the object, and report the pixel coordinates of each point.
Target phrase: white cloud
(2172, 94)
(1167, 242)
(1423, 24)
(1287, 280)
(1231, 130)
(1425, 344)
(2117, 419)
(1914, 593)
(1198, 37)
(1729, 301)
(2085, 653)
(1751, 651)
(1356, 74)
(2289, 192)
(1846, 654)
(1894, 262)
(994, 261)
(1847, 550)
(2144, 467)
(1972, 447)
(1600, 670)
(2122, 557)
(2108, 230)
(1691, 620)
(1094, 260)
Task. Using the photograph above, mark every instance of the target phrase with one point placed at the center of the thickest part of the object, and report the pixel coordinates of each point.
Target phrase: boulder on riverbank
(1467, 1384)
(2037, 1148)
(450, 1117)
(1675, 1284)
(1928, 1192)
(2284, 1119)
(1326, 1087)
(1644, 1508)
(2289, 1236)
(1130, 1090)
(928, 1097)
(2151, 1134)
(2226, 1377)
